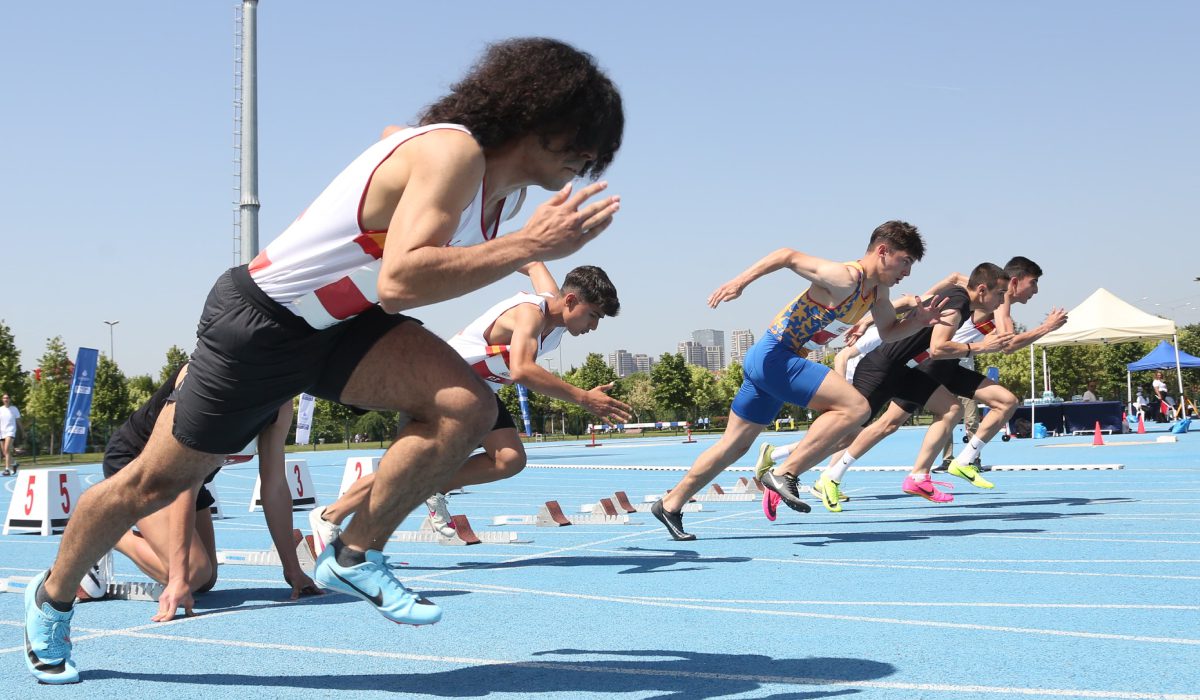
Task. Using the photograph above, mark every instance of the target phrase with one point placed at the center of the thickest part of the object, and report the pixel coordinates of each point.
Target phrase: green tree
(705, 393)
(176, 358)
(376, 425)
(728, 384)
(47, 403)
(637, 390)
(12, 378)
(672, 385)
(331, 422)
(594, 372)
(110, 399)
(141, 387)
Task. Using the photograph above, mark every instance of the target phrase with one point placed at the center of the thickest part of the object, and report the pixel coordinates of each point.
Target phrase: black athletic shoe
(785, 486)
(672, 521)
(943, 466)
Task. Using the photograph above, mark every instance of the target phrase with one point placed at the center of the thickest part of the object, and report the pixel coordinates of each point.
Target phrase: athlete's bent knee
(510, 462)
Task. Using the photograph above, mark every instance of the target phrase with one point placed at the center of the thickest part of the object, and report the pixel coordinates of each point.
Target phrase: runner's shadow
(674, 675)
(669, 561)
(831, 538)
(229, 598)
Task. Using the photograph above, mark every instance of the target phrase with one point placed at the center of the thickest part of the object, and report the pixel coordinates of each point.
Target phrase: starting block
(356, 468)
(622, 501)
(215, 509)
(305, 552)
(716, 493)
(42, 501)
(147, 591)
(604, 507)
(304, 496)
(551, 515)
(514, 520)
(464, 534)
(745, 485)
(14, 584)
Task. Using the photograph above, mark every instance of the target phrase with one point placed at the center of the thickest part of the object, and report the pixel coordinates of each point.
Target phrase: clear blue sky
(1063, 131)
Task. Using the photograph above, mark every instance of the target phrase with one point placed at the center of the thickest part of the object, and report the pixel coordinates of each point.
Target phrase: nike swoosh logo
(42, 665)
(377, 599)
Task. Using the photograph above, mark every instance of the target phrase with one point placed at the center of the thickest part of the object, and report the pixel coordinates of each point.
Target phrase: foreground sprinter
(410, 222)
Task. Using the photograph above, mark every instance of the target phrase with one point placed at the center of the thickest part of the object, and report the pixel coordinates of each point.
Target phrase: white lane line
(586, 666)
(841, 618)
(1081, 539)
(910, 604)
(1032, 572)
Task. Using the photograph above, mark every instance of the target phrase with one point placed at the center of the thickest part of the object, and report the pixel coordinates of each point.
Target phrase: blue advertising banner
(523, 399)
(79, 405)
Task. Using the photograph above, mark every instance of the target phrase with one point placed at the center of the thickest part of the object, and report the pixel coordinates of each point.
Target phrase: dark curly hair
(591, 284)
(536, 86)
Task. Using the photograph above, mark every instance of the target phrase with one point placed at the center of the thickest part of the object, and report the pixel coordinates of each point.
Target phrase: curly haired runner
(776, 368)
(410, 222)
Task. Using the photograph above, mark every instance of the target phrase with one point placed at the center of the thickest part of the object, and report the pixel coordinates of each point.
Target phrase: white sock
(835, 472)
(969, 452)
(780, 453)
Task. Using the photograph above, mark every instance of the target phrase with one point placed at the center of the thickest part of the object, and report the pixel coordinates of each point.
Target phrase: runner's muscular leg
(411, 370)
(1002, 404)
(738, 437)
(893, 417)
(107, 510)
(947, 411)
(842, 410)
(503, 457)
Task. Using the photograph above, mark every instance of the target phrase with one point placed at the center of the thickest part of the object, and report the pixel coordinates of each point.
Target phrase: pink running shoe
(770, 504)
(925, 489)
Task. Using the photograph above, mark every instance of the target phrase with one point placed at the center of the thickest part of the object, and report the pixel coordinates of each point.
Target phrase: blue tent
(1165, 356)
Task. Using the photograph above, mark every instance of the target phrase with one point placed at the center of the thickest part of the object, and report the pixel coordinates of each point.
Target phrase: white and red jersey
(490, 361)
(324, 268)
(969, 332)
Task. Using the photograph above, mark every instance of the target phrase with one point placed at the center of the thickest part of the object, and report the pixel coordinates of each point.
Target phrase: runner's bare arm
(437, 176)
(523, 366)
(1054, 320)
(181, 525)
(539, 275)
(843, 357)
(838, 279)
(277, 499)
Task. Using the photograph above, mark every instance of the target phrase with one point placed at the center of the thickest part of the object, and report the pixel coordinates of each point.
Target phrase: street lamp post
(111, 355)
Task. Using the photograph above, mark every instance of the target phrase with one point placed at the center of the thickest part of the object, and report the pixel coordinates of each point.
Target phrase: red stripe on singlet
(342, 299)
(260, 261)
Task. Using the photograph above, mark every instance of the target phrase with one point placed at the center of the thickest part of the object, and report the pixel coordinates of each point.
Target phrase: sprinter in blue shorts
(776, 370)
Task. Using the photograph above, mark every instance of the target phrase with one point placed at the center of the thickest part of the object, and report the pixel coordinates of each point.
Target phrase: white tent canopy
(1105, 318)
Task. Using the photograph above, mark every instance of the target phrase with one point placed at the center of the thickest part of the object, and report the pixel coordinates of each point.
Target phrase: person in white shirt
(1090, 394)
(10, 420)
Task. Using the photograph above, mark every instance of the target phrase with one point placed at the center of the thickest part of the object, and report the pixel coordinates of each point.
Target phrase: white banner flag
(304, 419)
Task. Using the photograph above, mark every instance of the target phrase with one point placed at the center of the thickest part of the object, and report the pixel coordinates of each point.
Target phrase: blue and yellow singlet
(804, 325)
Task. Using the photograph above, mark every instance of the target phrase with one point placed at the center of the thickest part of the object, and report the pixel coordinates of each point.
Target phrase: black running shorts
(504, 419)
(119, 454)
(252, 355)
(881, 380)
(957, 379)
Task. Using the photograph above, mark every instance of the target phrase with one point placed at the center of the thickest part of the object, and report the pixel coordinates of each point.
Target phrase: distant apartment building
(739, 345)
(622, 362)
(643, 362)
(714, 357)
(693, 353)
